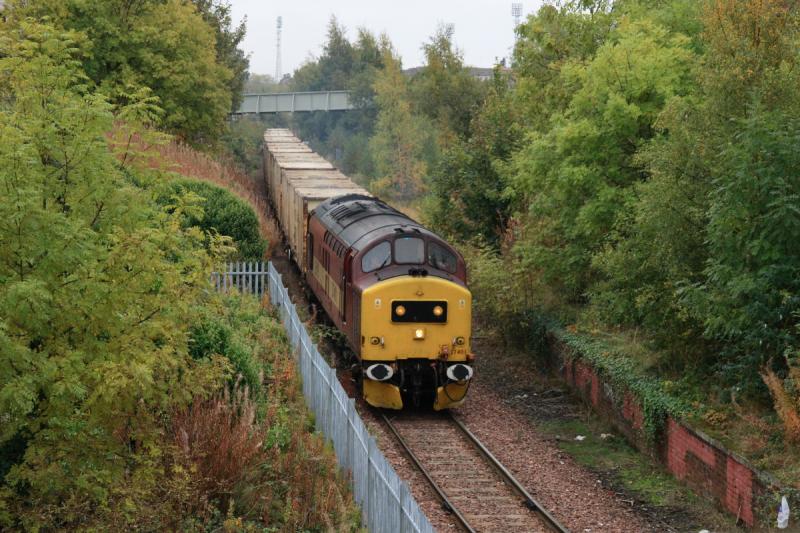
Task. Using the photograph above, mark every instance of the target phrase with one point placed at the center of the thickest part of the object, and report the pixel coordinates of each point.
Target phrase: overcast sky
(484, 29)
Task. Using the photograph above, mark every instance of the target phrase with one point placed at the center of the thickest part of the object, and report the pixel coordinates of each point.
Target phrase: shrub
(225, 214)
(196, 165)
(254, 455)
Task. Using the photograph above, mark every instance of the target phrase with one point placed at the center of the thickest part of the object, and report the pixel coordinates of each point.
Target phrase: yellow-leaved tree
(401, 137)
(98, 286)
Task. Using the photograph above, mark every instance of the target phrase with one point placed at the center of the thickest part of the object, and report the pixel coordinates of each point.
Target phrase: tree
(468, 187)
(217, 13)
(556, 35)
(400, 138)
(166, 46)
(343, 65)
(659, 244)
(97, 286)
(578, 177)
(262, 83)
(444, 90)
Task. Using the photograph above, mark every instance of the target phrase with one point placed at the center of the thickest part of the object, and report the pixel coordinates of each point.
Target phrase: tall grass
(221, 439)
(259, 459)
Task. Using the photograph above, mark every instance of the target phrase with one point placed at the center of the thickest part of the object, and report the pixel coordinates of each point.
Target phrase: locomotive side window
(441, 258)
(409, 250)
(378, 257)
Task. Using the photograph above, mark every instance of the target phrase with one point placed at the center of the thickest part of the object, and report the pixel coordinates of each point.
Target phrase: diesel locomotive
(396, 290)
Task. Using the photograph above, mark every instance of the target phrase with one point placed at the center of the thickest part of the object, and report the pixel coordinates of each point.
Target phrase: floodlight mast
(516, 12)
(278, 72)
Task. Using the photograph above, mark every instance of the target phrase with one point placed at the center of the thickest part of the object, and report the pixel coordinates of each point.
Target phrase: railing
(386, 501)
(247, 277)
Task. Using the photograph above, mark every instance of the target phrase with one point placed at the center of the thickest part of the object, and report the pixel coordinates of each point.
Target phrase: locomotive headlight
(438, 311)
(419, 334)
(400, 310)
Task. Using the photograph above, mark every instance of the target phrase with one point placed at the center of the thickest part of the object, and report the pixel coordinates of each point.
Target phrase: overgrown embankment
(638, 180)
(132, 396)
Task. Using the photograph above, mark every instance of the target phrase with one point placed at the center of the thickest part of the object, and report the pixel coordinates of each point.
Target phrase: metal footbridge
(294, 102)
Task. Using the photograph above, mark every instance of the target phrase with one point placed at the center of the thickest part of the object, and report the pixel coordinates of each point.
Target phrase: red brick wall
(700, 462)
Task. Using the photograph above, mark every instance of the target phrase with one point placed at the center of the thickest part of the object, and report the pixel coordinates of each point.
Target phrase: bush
(254, 454)
(507, 298)
(225, 214)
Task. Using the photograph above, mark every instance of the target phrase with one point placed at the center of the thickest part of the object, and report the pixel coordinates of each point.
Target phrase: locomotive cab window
(409, 250)
(441, 258)
(378, 257)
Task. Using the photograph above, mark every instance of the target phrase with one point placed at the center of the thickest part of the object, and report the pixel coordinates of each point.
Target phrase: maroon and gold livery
(396, 290)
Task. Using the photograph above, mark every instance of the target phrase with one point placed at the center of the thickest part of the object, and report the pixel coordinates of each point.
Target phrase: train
(396, 290)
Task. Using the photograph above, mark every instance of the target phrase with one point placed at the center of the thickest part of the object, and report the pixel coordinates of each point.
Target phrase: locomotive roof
(358, 220)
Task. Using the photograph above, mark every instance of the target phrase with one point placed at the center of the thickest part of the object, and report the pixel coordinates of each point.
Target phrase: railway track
(471, 483)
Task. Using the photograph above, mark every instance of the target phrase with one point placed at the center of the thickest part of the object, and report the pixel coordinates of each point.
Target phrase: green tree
(701, 260)
(748, 299)
(262, 83)
(217, 13)
(164, 45)
(558, 34)
(578, 177)
(222, 214)
(659, 243)
(343, 65)
(468, 187)
(751, 295)
(398, 146)
(444, 90)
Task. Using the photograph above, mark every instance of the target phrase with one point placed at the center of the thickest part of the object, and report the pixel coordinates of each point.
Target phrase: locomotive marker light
(419, 334)
(458, 341)
(459, 372)
(379, 372)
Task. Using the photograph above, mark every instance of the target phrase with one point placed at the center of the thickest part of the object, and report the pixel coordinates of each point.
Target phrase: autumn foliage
(123, 403)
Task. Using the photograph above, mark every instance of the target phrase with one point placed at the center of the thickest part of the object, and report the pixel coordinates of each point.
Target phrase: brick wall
(696, 459)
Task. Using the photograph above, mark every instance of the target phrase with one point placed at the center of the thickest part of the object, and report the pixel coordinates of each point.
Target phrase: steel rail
(529, 501)
(446, 503)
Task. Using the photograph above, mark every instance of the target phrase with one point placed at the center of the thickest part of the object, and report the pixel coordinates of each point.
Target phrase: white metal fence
(245, 277)
(386, 502)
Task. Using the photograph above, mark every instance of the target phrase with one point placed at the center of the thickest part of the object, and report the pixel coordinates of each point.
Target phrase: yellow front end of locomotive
(394, 331)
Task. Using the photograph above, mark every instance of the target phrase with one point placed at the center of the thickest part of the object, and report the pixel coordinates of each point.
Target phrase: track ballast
(471, 483)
